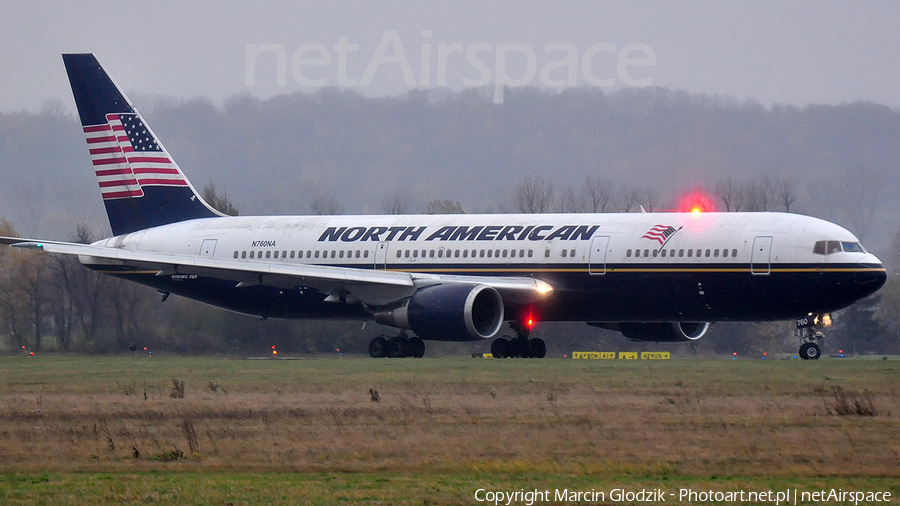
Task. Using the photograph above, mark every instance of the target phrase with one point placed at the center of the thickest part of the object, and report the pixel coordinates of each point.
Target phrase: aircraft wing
(339, 284)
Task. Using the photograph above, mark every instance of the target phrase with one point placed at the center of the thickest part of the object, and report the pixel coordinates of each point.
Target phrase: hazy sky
(772, 52)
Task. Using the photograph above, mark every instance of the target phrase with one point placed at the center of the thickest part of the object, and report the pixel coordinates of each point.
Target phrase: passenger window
(707, 253)
(465, 253)
(292, 253)
(512, 253)
(440, 253)
(655, 253)
(725, 253)
(456, 254)
(529, 253)
(317, 253)
(308, 253)
(681, 252)
(646, 253)
(690, 253)
(415, 253)
(342, 254)
(259, 254)
(399, 253)
(366, 254)
(572, 253)
(244, 254)
(628, 254)
(235, 254)
(284, 254)
(716, 253)
(734, 253)
(481, 254)
(564, 253)
(332, 254)
(664, 253)
(252, 254)
(637, 253)
(547, 253)
(522, 253)
(699, 252)
(406, 254)
(504, 253)
(489, 253)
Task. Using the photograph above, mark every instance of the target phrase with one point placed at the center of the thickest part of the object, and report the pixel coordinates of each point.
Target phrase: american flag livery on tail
(127, 157)
(141, 184)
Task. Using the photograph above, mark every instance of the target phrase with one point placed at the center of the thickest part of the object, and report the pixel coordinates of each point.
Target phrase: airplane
(662, 277)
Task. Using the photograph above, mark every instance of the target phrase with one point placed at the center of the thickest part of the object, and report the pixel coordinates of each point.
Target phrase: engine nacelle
(452, 312)
(664, 332)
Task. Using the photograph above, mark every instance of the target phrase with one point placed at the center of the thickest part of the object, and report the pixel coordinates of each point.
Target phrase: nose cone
(870, 276)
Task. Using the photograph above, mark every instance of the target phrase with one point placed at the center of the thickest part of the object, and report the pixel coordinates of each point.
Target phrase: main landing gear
(519, 346)
(397, 346)
(809, 331)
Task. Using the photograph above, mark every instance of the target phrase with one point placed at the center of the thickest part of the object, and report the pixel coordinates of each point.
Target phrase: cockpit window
(829, 247)
(853, 247)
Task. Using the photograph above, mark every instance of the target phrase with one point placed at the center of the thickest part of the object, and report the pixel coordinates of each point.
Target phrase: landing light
(696, 210)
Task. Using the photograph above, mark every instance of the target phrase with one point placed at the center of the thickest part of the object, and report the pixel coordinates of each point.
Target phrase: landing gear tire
(397, 347)
(378, 347)
(521, 347)
(810, 351)
(416, 347)
(500, 348)
(538, 348)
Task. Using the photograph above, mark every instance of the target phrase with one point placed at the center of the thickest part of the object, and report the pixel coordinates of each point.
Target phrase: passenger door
(597, 258)
(760, 258)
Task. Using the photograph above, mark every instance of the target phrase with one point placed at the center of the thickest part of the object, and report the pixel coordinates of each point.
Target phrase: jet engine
(451, 312)
(663, 332)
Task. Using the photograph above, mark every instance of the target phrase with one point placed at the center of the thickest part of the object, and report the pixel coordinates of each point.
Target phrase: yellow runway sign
(594, 355)
(622, 355)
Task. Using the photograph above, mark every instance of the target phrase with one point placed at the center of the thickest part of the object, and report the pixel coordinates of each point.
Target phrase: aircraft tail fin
(140, 183)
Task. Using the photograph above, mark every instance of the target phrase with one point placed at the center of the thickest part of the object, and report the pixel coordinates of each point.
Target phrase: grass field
(108, 430)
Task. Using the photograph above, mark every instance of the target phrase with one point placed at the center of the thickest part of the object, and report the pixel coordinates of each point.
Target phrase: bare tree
(571, 202)
(533, 195)
(396, 203)
(220, 203)
(324, 205)
(861, 198)
(761, 196)
(730, 194)
(600, 194)
(444, 207)
(649, 200)
(786, 194)
(628, 200)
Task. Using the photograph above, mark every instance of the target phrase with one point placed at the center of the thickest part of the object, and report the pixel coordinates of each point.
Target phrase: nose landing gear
(809, 331)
